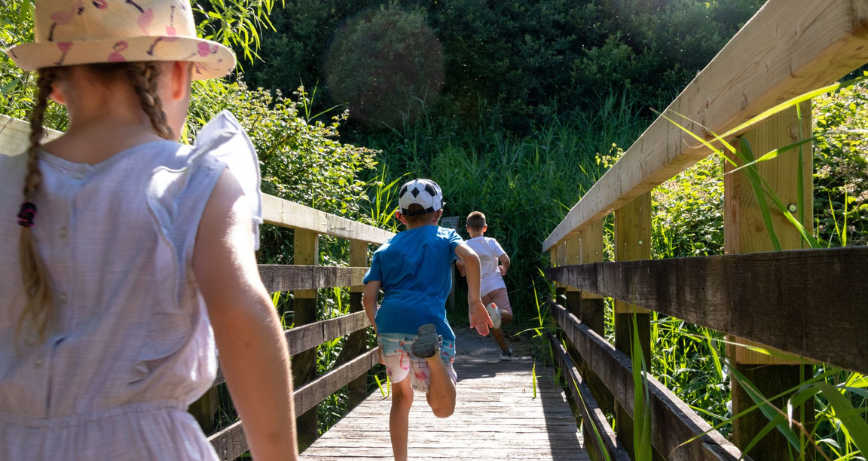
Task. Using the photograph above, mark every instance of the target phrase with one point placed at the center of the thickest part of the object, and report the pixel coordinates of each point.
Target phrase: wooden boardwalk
(497, 417)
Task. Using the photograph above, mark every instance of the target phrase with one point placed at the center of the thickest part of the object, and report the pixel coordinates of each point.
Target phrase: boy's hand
(502, 270)
(479, 318)
(380, 348)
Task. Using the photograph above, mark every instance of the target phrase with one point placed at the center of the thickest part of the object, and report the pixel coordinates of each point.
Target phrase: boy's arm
(369, 299)
(462, 269)
(479, 317)
(504, 264)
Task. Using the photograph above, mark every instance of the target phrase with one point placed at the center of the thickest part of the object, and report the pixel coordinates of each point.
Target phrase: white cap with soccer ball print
(423, 192)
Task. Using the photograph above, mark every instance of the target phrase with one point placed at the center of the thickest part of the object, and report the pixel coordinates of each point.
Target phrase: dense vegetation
(515, 108)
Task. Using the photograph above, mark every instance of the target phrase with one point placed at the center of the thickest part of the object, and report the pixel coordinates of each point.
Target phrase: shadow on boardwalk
(497, 417)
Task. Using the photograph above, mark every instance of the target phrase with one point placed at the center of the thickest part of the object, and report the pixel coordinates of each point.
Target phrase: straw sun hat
(70, 32)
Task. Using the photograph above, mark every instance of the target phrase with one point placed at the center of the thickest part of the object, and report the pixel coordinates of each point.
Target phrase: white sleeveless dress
(133, 346)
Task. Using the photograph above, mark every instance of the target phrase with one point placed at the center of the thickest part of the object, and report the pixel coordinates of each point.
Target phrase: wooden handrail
(290, 278)
(230, 442)
(284, 213)
(673, 421)
(745, 295)
(789, 48)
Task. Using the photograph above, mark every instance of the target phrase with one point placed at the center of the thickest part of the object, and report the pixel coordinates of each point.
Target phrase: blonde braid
(39, 308)
(144, 76)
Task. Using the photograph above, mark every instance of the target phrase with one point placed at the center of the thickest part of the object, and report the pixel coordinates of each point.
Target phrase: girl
(130, 249)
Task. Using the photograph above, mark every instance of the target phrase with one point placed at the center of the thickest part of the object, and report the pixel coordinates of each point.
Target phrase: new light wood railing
(807, 303)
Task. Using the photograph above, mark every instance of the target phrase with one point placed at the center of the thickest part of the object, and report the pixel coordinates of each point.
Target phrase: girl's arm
(479, 317)
(504, 264)
(253, 353)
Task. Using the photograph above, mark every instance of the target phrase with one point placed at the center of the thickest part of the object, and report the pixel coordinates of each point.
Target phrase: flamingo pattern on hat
(71, 32)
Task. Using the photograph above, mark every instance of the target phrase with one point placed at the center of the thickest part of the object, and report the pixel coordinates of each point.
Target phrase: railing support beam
(632, 242)
(745, 231)
(306, 244)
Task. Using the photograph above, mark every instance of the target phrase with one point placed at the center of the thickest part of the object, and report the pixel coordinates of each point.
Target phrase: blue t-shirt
(415, 269)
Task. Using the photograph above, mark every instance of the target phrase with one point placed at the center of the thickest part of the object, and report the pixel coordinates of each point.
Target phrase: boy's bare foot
(427, 342)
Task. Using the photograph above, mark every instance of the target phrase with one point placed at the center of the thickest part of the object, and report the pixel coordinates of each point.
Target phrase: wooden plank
(790, 47)
(357, 341)
(593, 249)
(744, 228)
(290, 278)
(284, 213)
(306, 253)
(230, 442)
(15, 135)
(745, 231)
(672, 421)
(306, 337)
(633, 240)
(308, 396)
(591, 413)
(745, 294)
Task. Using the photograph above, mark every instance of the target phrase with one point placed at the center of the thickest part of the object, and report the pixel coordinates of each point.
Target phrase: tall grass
(524, 184)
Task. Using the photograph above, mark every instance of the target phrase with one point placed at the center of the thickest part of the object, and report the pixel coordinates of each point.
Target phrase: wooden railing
(800, 304)
(303, 278)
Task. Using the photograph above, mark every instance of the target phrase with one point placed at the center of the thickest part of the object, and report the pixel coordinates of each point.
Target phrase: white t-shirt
(488, 250)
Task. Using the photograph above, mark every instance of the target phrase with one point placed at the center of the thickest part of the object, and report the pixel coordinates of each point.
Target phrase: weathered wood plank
(284, 213)
(789, 48)
(308, 336)
(311, 335)
(746, 294)
(672, 421)
(591, 413)
(15, 135)
(230, 442)
(314, 392)
(290, 278)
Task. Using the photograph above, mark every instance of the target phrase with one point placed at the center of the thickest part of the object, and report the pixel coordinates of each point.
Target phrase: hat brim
(212, 60)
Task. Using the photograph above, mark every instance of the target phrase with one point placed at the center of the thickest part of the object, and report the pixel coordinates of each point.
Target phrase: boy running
(414, 271)
(492, 288)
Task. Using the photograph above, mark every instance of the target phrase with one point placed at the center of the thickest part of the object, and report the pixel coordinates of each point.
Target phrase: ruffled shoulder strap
(225, 139)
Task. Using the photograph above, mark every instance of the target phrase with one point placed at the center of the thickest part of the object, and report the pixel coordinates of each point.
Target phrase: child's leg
(441, 391)
(505, 319)
(399, 417)
(501, 300)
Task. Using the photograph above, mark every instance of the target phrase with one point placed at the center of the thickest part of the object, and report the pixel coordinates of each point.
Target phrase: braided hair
(39, 309)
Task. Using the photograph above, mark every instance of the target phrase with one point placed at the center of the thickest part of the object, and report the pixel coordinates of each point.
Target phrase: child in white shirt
(492, 287)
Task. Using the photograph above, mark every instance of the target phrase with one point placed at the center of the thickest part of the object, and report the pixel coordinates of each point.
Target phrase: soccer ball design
(423, 192)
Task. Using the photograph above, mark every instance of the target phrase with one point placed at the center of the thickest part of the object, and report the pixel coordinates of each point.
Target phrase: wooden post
(745, 232)
(561, 255)
(358, 341)
(573, 257)
(203, 410)
(304, 363)
(593, 305)
(632, 242)
(594, 313)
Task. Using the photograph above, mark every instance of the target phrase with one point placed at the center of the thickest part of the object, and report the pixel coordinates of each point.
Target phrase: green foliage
(527, 60)
(384, 64)
(841, 166)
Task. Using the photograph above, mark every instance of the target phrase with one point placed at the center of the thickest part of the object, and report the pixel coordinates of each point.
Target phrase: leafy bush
(384, 65)
(841, 166)
(526, 60)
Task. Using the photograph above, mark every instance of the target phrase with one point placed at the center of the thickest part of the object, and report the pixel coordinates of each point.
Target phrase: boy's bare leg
(399, 417)
(441, 391)
(505, 319)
